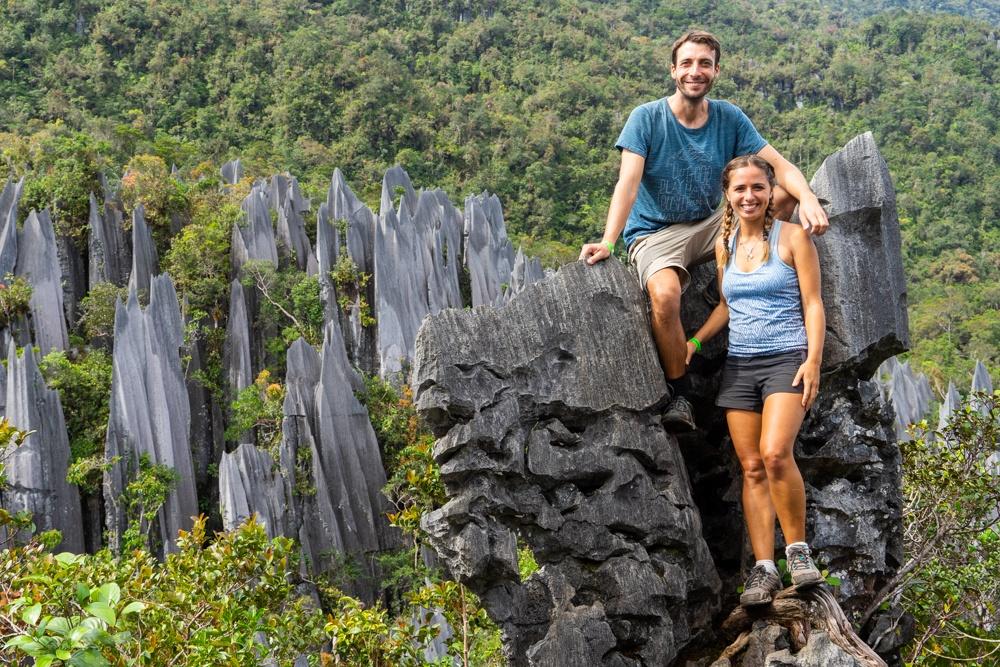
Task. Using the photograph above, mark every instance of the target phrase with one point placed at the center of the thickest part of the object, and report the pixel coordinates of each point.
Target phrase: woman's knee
(778, 462)
(754, 471)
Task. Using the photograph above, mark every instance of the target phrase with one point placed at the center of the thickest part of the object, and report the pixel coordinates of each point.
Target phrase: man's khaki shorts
(676, 246)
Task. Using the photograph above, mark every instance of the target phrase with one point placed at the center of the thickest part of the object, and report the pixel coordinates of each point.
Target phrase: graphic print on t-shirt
(685, 188)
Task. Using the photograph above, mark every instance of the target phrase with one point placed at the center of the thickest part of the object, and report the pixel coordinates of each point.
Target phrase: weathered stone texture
(550, 432)
(109, 257)
(150, 413)
(145, 262)
(38, 261)
(36, 471)
(864, 289)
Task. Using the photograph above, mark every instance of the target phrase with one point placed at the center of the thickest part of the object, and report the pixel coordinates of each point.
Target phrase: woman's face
(749, 192)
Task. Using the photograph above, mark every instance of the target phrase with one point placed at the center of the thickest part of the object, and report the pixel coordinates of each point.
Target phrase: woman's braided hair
(729, 217)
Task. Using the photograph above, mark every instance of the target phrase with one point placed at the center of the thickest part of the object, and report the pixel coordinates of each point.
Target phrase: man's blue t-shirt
(680, 180)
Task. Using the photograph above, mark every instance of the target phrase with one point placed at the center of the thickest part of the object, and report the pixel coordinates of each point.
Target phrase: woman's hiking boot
(760, 587)
(801, 566)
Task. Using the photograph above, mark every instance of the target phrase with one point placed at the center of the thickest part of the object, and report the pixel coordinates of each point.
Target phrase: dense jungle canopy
(524, 99)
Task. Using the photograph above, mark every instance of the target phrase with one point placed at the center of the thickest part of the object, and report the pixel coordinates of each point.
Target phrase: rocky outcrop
(231, 172)
(864, 289)
(330, 459)
(252, 485)
(150, 414)
(36, 471)
(108, 254)
(9, 198)
(550, 434)
(489, 255)
(38, 261)
(145, 263)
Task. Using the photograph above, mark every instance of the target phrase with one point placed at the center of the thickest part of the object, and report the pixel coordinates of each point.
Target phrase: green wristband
(697, 343)
(610, 246)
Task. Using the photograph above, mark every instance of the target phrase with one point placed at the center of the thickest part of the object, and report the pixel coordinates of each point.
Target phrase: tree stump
(804, 613)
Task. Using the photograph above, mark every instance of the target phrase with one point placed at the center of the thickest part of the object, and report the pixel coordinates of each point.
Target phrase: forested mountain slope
(522, 98)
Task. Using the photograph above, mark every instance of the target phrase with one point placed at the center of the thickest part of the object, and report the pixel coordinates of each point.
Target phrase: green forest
(521, 98)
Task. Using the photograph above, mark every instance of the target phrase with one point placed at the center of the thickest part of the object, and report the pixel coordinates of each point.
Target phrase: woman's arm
(719, 317)
(806, 262)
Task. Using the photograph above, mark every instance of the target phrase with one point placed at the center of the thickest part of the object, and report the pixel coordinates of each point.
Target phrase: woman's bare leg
(758, 512)
(780, 423)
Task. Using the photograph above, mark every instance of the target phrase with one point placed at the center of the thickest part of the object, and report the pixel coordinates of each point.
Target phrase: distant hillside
(983, 10)
(524, 99)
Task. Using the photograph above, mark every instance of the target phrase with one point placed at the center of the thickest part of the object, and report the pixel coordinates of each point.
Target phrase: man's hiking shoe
(760, 587)
(679, 416)
(800, 564)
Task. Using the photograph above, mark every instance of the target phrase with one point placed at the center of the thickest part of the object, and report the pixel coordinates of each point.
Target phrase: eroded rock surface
(38, 261)
(150, 414)
(36, 471)
(864, 289)
(547, 412)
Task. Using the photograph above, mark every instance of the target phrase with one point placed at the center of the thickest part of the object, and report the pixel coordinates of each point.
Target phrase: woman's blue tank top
(765, 305)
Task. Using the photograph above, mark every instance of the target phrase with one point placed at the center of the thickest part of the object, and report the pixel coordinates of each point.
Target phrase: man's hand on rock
(813, 217)
(595, 252)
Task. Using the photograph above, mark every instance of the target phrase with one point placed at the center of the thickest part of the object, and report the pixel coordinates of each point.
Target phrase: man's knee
(664, 289)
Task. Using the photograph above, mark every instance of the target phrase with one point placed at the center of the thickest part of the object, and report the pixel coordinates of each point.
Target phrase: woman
(770, 285)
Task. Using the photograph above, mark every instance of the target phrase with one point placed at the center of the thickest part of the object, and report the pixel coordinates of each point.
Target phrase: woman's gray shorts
(747, 381)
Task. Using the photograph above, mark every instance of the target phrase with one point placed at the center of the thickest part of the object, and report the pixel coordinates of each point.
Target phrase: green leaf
(101, 610)
(44, 660)
(133, 608)
(82, 593)
(66, 558)
(31, 614)
(89, 658)
(109, 594)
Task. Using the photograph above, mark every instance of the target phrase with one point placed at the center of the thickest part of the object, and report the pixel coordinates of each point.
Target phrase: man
(668, 191)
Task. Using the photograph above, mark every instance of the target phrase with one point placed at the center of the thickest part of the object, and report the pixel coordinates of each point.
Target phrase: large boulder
(547, 412)
(864, 289)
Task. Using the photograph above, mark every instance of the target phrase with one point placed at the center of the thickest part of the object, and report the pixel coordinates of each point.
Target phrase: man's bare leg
(664, 289)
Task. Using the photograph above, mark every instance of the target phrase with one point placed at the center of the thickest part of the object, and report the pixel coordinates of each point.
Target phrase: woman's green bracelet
(610, 246)
(696, 343)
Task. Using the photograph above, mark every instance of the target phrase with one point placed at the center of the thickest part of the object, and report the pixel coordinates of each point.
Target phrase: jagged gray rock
(292, 242)
(949, 405)
(864, 289)
(108, 254)
(255, 239)
(251, 484)
(231, 172)
(149, 414)
(145, 262)
(38, 261)
(9, 198)
(236, 349)
(329, 447)
(36, 471)
(981, 380)
(489, 255)
(548, 431)
(819, 651)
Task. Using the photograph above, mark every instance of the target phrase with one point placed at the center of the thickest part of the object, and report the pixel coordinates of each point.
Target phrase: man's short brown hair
(698, 37)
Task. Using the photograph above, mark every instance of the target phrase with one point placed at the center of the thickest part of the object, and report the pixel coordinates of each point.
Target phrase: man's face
(695, 70)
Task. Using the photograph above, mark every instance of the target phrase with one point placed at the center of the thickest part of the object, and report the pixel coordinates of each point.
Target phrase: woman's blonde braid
(728, 223)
